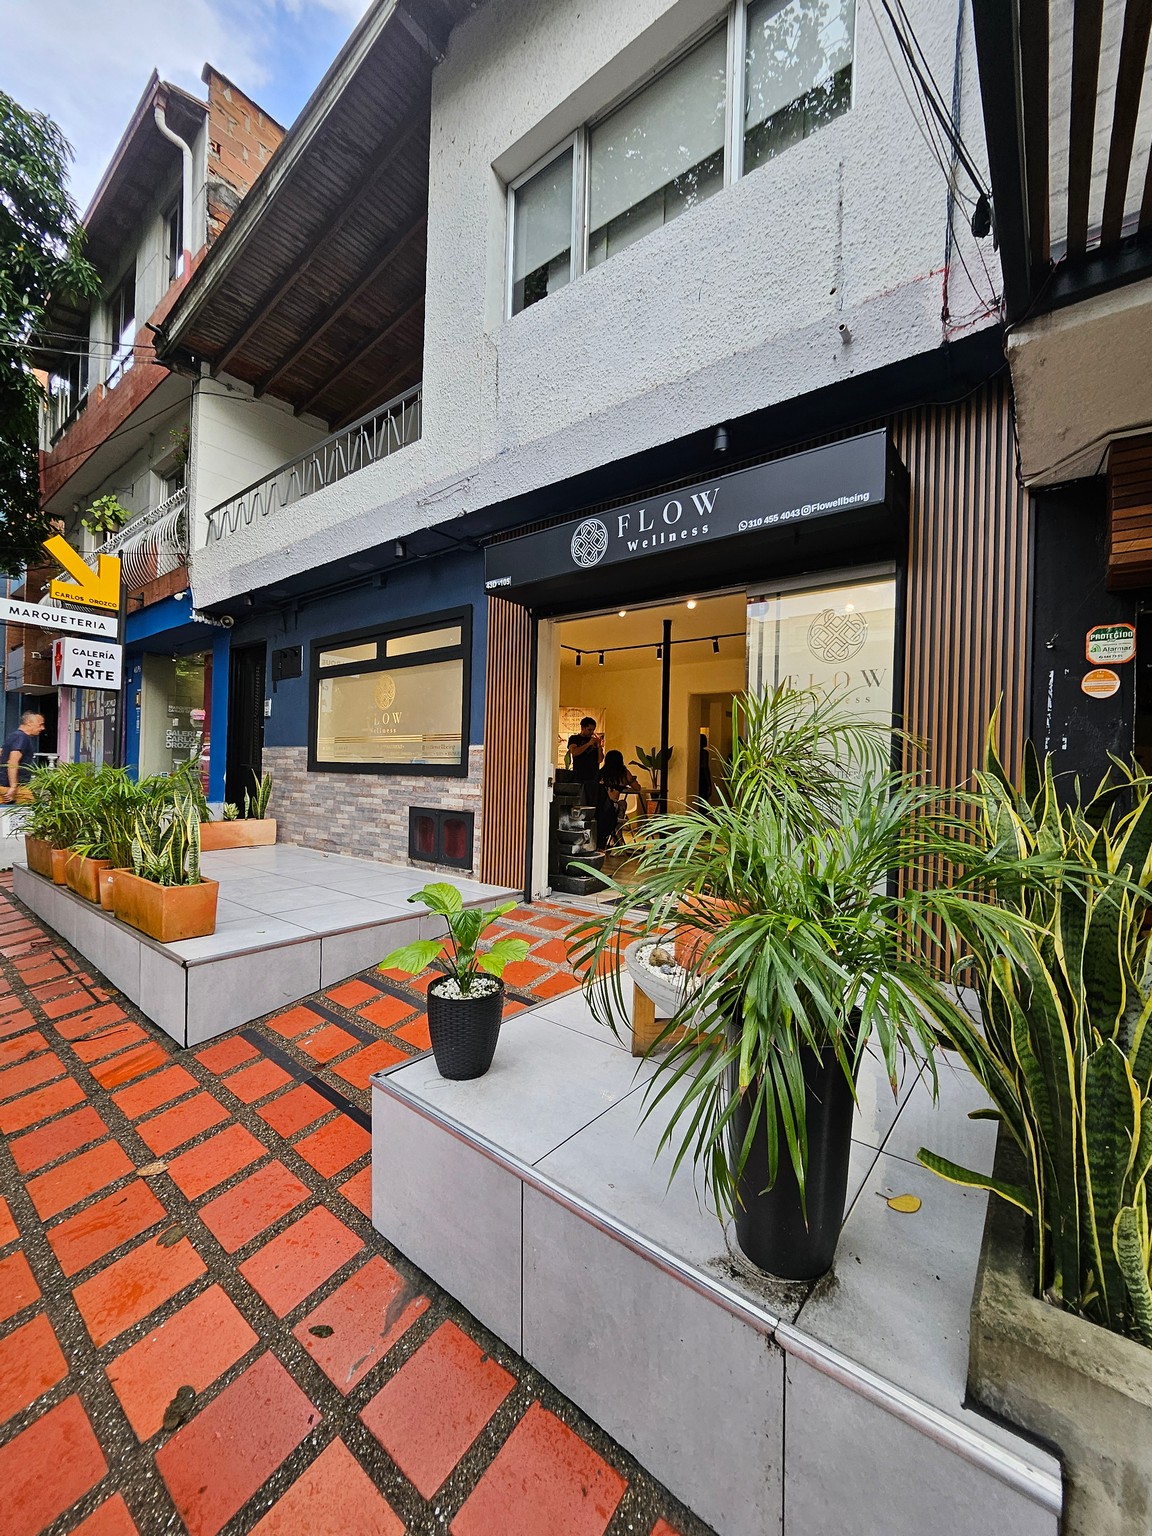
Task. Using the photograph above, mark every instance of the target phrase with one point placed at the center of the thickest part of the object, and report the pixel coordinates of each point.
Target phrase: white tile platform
(288, 921)
(532, 1195)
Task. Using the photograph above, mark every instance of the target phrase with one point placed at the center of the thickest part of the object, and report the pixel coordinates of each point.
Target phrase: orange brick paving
(199, 1328)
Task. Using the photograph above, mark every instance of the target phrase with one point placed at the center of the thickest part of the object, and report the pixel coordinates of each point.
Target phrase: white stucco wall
(732, 307)
(237, 439)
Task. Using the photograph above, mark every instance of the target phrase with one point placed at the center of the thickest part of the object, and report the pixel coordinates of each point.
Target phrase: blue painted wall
(427, 586)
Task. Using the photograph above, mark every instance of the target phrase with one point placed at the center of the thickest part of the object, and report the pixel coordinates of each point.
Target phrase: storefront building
(564, 314)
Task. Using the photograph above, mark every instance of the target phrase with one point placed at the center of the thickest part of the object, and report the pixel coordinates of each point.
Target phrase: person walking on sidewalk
(19, 752)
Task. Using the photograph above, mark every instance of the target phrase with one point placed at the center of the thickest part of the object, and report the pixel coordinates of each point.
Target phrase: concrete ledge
(531, 1195)
(290, 922)
(1076, 1385)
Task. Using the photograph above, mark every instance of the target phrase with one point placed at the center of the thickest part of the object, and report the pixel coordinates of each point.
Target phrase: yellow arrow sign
(95, 589)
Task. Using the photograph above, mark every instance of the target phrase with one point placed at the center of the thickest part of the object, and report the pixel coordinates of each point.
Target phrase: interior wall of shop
(364, 813)
(627, 701)
(732, 307)
(1069, 597)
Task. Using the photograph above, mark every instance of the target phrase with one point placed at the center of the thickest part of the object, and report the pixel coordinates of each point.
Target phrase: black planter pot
(770, 1226)
(464, 1031)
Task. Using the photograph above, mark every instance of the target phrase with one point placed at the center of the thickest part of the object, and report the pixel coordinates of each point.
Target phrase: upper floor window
(774, 73)
(797, 72)
(174, 240)
(122, 324)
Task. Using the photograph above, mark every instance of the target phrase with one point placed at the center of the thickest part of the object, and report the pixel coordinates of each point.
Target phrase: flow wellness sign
(754, 503)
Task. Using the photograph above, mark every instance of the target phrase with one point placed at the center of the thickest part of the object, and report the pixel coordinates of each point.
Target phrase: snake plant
(256, 801)
(1065, 1052)
(166, 842)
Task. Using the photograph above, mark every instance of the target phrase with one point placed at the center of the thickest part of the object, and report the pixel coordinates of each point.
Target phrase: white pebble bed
(482, 986)
(673, 974)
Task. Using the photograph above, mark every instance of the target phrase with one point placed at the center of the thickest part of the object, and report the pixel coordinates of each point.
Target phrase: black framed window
(393, 699)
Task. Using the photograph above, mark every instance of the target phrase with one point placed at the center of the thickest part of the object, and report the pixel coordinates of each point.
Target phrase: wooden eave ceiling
(144, 163)
(323, 304)
(1068, 112)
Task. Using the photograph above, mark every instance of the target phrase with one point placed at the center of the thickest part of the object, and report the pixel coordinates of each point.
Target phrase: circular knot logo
(384, 690)
(837, 637)
(589, 542)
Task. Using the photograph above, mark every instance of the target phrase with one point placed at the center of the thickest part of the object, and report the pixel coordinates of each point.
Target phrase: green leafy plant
(178, 437)
(652, 761)
(105, 516)
(464, 961)
(166, 842)
(793, 929)
(64, 804)
(256, 802)
(1065, 1047)
(231, 812)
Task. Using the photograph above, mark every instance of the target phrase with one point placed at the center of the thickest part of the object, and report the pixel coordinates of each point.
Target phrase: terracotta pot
(83, 875)
(215, 835)
(39, 854)
(60, 857)
(165, 912)
(104, 879)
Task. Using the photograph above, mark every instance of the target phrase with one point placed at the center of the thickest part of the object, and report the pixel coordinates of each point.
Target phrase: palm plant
(63, 803)
(1065, 1051)
(652, 760)
(801, 940)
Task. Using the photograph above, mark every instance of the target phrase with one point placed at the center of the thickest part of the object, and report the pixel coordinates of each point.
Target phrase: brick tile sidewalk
(199, 1328)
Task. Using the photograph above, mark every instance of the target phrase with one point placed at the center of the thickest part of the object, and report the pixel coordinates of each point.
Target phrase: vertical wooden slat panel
(966, 641)
(507, 734)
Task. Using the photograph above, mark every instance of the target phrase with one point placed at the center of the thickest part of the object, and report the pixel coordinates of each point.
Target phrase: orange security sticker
(1100, 683)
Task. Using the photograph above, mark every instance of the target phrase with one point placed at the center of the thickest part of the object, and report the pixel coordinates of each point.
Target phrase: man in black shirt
(586, 751)
(18, 753)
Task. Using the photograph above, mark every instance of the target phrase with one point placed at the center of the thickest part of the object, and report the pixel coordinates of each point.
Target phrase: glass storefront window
(175, 712)
(837, 638)
(346, 653)
(409, 717)
(382, 703)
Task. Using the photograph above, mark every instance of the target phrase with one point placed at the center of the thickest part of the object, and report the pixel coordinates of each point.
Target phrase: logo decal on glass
(837, 637)
(589, 542)
(384, 691)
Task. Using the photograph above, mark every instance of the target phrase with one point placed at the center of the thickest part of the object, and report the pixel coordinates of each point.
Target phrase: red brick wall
(241, 140)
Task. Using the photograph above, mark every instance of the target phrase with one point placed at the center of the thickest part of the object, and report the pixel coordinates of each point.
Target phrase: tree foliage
(40, 254)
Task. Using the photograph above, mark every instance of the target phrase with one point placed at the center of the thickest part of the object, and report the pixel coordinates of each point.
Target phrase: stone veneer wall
(363, 814)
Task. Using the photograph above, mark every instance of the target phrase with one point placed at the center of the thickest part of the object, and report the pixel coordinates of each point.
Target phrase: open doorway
(609, 667)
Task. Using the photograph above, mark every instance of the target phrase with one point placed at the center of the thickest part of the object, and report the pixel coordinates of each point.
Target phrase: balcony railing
(382, 432)
(151, 545)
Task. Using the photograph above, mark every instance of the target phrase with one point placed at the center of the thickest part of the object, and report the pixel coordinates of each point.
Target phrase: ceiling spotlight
(715, 646)
(623, 613)
(720, 441)
(400, 549)
(691, 602)
(601, 658)
(577, 658)
(659, 653)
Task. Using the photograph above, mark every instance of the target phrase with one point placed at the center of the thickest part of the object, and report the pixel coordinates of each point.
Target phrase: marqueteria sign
(755, 504)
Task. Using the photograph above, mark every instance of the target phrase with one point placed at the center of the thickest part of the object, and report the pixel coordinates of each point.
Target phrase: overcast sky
(86, 62)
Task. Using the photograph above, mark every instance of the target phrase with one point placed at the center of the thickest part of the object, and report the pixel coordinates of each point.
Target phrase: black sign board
(852, 488)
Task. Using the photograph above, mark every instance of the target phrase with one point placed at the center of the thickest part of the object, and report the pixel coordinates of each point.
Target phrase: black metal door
(245, 721)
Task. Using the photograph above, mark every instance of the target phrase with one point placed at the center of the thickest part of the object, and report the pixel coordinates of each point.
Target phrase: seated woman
(612, 801)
